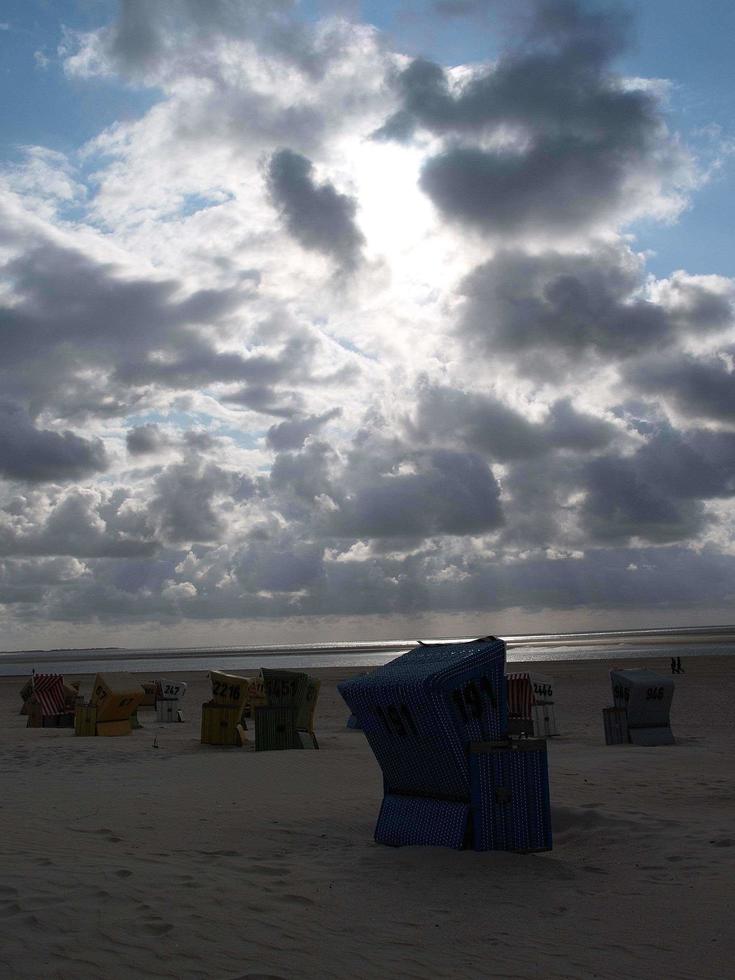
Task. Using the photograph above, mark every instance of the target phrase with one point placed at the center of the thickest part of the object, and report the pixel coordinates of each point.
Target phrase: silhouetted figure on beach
(676, 667)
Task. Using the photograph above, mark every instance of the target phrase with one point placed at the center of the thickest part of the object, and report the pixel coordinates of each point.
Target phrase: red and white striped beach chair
(531, 708)
(520, 696)
(48, 702)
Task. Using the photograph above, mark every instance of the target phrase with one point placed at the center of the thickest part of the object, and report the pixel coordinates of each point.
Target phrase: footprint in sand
(271, 872)
(297, 899)
(123, 873)
(10, 909)
(158, 928)
(260, 976)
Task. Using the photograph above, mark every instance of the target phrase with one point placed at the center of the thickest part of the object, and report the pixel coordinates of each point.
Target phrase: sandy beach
(152, 855)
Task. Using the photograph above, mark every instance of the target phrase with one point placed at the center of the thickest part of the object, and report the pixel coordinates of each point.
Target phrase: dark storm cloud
(703, 387)
(485, 424)
(570, 137)
(293, 433)
(317, 215)
(448, 492)
(554, 308)
(37, 455)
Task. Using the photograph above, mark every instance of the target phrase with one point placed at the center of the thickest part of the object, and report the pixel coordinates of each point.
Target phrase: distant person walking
(676, 667)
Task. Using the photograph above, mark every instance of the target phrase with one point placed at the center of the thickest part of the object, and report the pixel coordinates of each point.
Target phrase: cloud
(84, 523)
(547, 140)
(294, 432)
(37, 455)
(147, 39)
(317, 215)
(657, 493)
(187, 499)
(549, 310)
(81, 331)
(485, 424)
(144, 439)
(430, 493)
(703, 387)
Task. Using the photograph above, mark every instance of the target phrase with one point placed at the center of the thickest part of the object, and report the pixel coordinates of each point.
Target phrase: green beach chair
(276, 721)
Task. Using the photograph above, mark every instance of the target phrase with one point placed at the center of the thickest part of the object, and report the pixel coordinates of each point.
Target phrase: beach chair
(149, 694)
(223, 720)
(46, 703)
(255, 696)
(115, 700)
(421, 713)
(531, 708)
(509, 787)
(169, 695)
(275, 721)
(305, 715)
(615, 723)
(645, 696)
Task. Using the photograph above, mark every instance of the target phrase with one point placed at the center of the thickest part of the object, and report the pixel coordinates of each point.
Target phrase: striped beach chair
(422, 714)
(47, 703)
(531, 708)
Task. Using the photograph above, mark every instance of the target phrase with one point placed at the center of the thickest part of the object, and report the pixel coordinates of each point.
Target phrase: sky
(351, 320)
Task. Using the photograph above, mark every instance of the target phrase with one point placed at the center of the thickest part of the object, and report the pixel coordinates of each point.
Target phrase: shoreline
(537, 648)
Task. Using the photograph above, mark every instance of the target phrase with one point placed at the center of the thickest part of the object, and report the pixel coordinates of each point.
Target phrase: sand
(121, 859)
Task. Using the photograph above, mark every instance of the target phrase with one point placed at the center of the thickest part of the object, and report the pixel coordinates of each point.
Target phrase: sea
(521, 648)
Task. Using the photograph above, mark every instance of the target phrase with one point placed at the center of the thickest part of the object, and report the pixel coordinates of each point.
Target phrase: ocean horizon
(533, 647)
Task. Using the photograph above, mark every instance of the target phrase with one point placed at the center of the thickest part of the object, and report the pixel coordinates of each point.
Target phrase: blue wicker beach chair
(420, 714)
